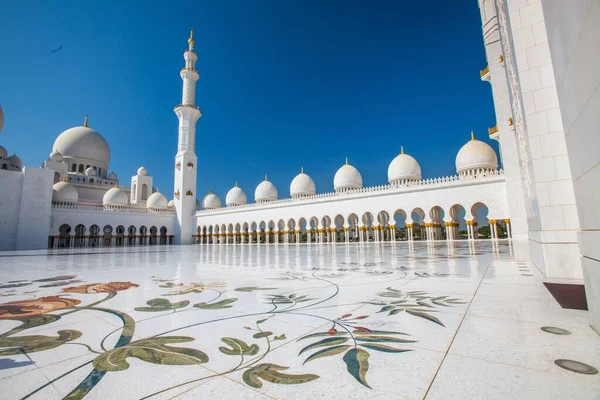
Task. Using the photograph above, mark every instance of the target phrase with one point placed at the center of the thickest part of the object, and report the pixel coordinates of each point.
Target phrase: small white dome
(113, 177)
(475, 155)
(236, 197)
(265, 191)
(171, 203)
(302, 185)
(404, 168)
(347, 177)
(211, 201)
(65, 192)
(83, 142)
(115, 197)
(3, 152)
(56, 156)
(90, 172)
(15, 161)
(142, 171)
(157, 200)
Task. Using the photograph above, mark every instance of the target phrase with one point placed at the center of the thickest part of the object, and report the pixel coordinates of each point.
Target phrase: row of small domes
(473, 156)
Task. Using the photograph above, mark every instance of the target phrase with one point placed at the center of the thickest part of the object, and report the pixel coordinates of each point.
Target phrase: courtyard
(437, 320)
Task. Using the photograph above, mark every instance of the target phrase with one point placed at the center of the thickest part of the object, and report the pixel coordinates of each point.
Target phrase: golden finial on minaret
(191, 39)
(85, 121)
(472, 136)
(401, 149)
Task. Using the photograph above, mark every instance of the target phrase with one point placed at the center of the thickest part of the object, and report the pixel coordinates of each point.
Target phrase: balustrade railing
(95, 207)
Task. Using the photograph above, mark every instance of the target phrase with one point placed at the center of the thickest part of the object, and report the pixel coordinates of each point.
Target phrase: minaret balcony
(187, 105)
(485, 74)
(511, 124)
(493, 132)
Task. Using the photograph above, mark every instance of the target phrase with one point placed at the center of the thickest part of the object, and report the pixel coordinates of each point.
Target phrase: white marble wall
(11, 183)
(554, 242)
(509, 146)
(574, 41)
(34, 213)
(25, 200)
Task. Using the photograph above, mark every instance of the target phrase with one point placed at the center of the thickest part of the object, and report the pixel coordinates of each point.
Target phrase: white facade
(430, 203)
(573, 34)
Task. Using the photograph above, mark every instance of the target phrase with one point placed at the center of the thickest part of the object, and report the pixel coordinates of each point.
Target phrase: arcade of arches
(435, 224)
(94, 236)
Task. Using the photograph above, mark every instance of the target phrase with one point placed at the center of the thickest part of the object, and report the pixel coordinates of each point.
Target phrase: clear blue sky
(283, 84)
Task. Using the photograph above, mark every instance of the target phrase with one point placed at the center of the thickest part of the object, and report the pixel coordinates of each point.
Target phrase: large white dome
(404, 168)
(115, 197)
(157, 200)
(83, 142)
(236, 197)
(302, 185)
(65, 192)
(347, 177)
(265, 191)
(211, 201)
(476, 155)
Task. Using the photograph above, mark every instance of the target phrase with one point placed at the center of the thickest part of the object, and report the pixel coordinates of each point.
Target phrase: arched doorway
(94, 239)
(79, 236)
(119, 239)
(107, 237)
(153, 235)
(131, 235)
(143, 237)
(64, 233)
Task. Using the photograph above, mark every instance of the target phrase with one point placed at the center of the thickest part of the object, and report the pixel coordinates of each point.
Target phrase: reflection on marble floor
(253, 321)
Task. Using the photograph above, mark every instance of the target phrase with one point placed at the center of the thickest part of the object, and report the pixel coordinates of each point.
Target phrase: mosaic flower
(193, 287)
(28, 308)
(101, 287)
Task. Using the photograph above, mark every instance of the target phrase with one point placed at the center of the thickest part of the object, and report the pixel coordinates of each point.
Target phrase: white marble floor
(390, 321)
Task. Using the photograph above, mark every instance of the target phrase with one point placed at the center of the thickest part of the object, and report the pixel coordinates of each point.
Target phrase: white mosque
(75, 200)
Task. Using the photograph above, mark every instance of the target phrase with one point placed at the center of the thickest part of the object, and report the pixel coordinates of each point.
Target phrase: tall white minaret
(185, 160)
